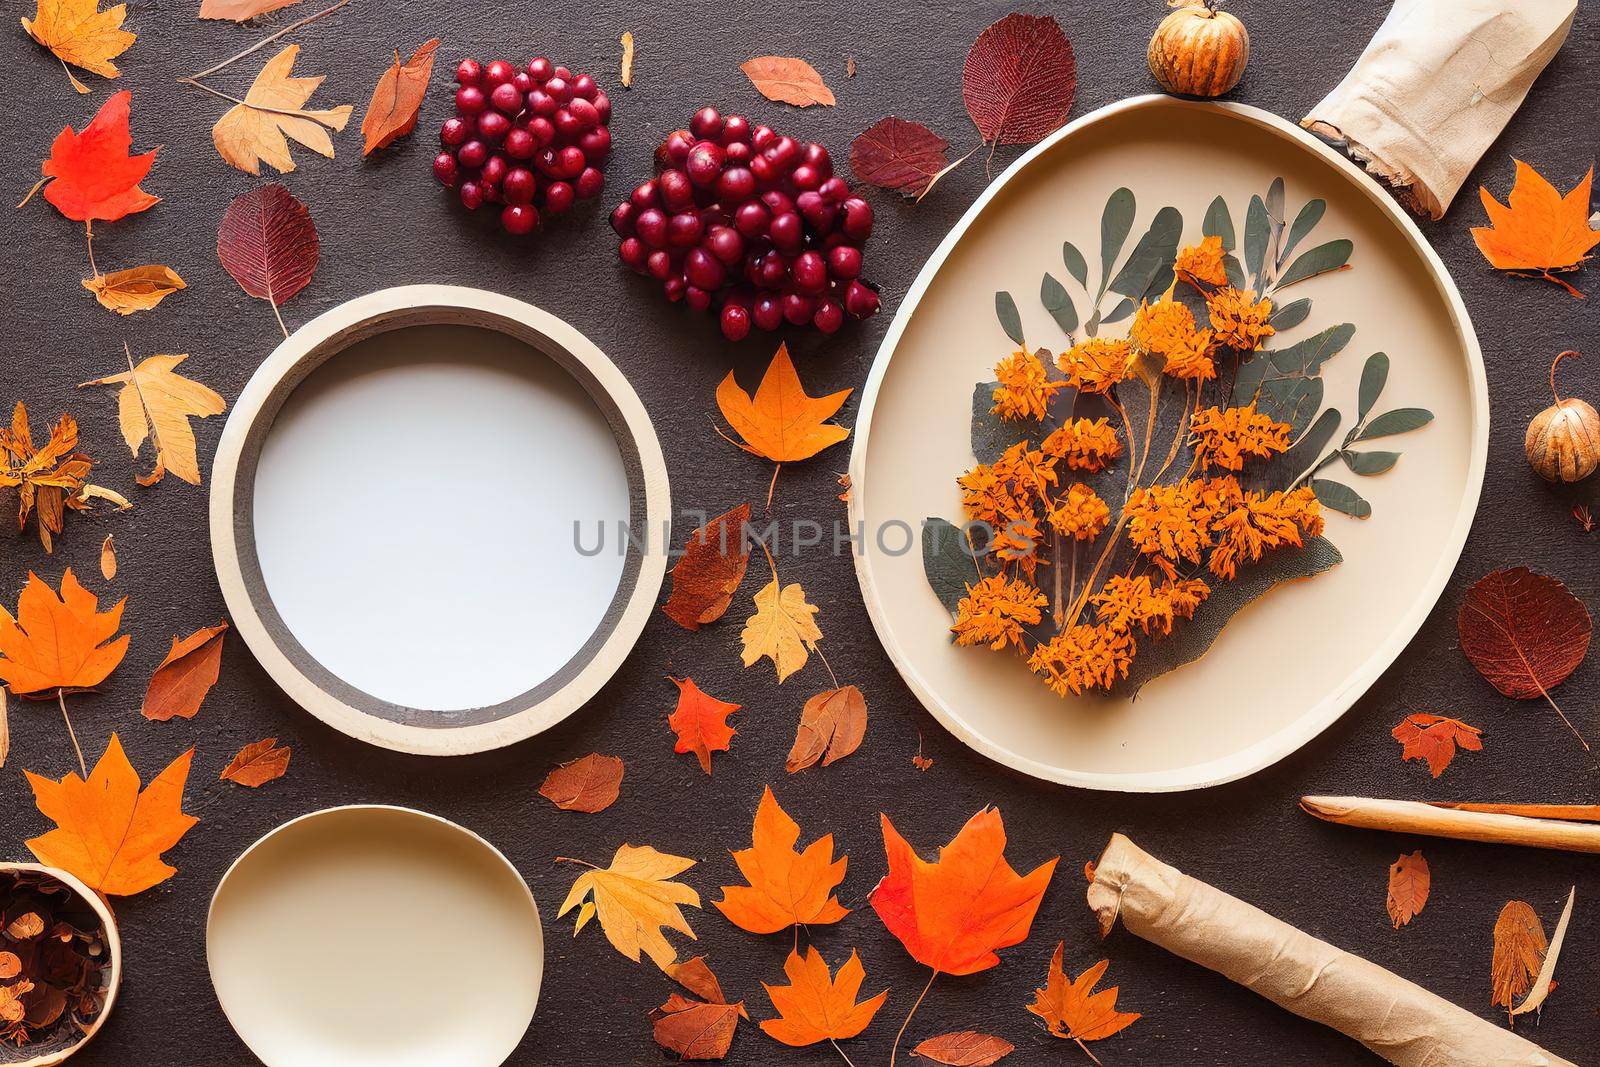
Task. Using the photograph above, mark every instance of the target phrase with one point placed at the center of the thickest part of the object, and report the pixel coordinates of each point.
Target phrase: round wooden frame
(297, 672)
(956, 715)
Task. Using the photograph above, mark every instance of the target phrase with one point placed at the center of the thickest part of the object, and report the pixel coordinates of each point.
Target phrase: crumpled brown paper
(1437, 84)
(1397, 1019)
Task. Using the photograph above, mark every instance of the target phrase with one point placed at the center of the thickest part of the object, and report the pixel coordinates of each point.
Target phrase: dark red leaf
(1019, 79)
(1435, 738)
(268, 242)
(900, 155)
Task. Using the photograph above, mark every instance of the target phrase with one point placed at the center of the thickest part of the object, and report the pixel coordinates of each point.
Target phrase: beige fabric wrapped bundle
(1438, 83)
(1397, 1019)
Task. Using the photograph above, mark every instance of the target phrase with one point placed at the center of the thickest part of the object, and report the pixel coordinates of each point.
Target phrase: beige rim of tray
(296, 671)
(1228, 714)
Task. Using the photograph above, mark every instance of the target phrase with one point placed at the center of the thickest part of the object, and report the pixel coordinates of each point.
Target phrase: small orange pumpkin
(1198, 50)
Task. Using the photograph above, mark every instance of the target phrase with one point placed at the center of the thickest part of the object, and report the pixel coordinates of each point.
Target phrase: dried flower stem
(88, 237)
(61, 698)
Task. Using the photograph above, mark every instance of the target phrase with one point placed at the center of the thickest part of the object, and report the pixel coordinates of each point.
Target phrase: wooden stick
(1410, 816)
(1573, 812)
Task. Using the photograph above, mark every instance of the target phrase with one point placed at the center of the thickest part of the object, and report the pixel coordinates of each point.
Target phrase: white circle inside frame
(307, 679)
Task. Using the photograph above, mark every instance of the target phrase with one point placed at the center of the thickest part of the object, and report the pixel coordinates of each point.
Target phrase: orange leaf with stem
(701, 722)
(92, 174)
(816, 1006)
(1537, 229)
(1409, 882)
(779, 421)
(1071, 1010)
(787, 887)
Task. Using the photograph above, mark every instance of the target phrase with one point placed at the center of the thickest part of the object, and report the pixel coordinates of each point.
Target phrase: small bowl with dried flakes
(60, 964)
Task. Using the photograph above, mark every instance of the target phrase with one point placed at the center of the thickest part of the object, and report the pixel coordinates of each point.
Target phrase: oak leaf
(1519, 948)
(787, 80)
(954, 913)
(633, 899)
(1409, 882)
(59, 642)
(1018, 79)
(701, 722)
(155, 403)
(240, 10)
(782, 629)
(832, 724)
(1525, 633)
(268, 244)
(255, 131)
(392, 111)
(713, 564)
(257, 763)
(134, 289)
(900, 155)
(816, 1006)
(786, 887)
(48, 479)
(81, 34)
(109, 833)
(92, 176)
(590, 784)
(180, 684)
(780, 422)
(964, 1048)
(1435, 738)
(1071, 1010)
(1537, 229)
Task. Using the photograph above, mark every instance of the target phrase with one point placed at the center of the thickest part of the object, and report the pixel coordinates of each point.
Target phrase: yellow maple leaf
(156, 402)
(633, 899)
(1537, 229)
(780, 422)
(255, 131)
(134, 289)
(782, 629)
(81, 34)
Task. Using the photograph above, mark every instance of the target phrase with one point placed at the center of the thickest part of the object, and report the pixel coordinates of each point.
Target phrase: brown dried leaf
(257, 764)
(239, 10)
(258, 129)
(590, 784)
(392, 111)
(695, 1030)
(964, 1048)
(898, 154)
(1519, 948)
(1409, 882)
(832, 724)
(180, 684)
(108, 559)
(787, 80)
(1019, 79)
(1435, 738)
(134, 289)
(705, 579)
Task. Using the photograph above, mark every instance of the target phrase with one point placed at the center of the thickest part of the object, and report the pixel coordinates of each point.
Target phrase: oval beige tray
(1255, 696)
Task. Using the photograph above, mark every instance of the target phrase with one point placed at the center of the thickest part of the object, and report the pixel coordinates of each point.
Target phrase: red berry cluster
(533, 140)
(753, 221)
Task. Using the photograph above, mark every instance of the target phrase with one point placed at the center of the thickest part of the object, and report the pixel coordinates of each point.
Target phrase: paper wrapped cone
(1397, 1019)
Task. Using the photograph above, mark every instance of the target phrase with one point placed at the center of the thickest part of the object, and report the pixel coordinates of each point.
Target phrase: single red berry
(805, 176)
(767, 312)
(589, 183)
(596, 144)
(542, 103)
(469, 72)
(570, 162)
(857, 218)
(558, 197)
(762, 136)
(562, 72)
(507, 99)
(519, 218)
(773, 271)
(765, 171)
(675, 287)
(622, 217)
(814, 155)
(521, 144)
(470, 100)
(810, 272)
(446, 169)
(494, 169)
(583, 113)
(725, 243)
(584, 87)
(684, 229)
(735, 322)
(675, 149)
(703, 269)
(471, 195)
(736, 185)
(706, 124)
(752, 218)
(540, 69)
(544, 132)
(784, 152)
(798, 309)
(567, 125)
(517, 186)
(677, 193)
(633, 253)
(829, 316)
(844, 262)
(860, 301)
(819, 214)
(523, 81)
(473, 154)
(559, 88)
(735, 130)
(739, 153)
(602, 106)
(454, 131)
(492, 125)
(777, 202)
(787, 232)
(497, 72)
(659, 264)
(697, 298)
(705, 163)
(645, 195)
(834, 190)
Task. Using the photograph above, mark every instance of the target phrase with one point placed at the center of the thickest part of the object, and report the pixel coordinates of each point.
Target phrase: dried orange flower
(1193, 361)
(1086, 444)
(1185, 595)
(1008, 496)
(1240, 321)
(1257, 522)
(1125, 602)
(995, 610)
(1083, 657)
(51, 478)
(1168, 522)
(1167, 329)
(1096, 364)
(1202, 263)
(1025, 387)
(1081, 515)
(1226, 437)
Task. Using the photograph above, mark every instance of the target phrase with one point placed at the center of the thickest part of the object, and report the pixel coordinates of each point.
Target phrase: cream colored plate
(1254, 697)
(375, 937)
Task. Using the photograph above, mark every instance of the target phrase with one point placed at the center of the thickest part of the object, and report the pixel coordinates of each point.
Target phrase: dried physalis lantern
(1199, 50)
(1563, 440)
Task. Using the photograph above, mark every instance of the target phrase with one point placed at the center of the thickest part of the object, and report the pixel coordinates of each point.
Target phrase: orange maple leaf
(108, 833)
(94, 175)
(1409, 882)
(1537, 229)
(1070, 1010)
(786, 887)
(815, 1006)
(701, 722)
(954, 913)
(1435, 738)
(780, 422)
(60, 642)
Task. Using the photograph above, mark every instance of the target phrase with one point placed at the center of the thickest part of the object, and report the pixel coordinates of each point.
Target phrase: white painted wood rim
(1339, 700)
(249, 606)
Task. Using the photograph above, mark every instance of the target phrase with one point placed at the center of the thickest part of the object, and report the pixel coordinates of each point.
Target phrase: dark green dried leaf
(947, 561)
(1319, 260)
(991, 435)
(1219, 223)
(1304, 223)
(1373, 377)
(1076, 265)
(1369, 462)
(1290, 315)
(1150, 263)
(1005, 309)
(1400, 420)
(1341, 497)
(1257, 228)
(1120, 312)
(1303, 359)
(1053, 295)
(1281, 471)
(1115, 223)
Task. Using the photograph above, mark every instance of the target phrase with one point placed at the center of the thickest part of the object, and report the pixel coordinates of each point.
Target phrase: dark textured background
(385, 222)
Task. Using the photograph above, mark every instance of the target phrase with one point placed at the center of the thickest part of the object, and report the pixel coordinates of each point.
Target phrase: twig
(294, 113)
(279, 316)
(895, 1048)
(1092, 1057)
(772, 486)
(88, 236)
(841, 1052)
(818, 650)
(61, 698)
(193, 78)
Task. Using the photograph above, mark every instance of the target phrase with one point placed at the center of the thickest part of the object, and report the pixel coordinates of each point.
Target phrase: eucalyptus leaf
(1373, 377)
(1341, 498)
(1005, 309)
(1152, 258)
(1281, 471)
(1400, 420)
(1319, 260)
(947, 561)
(1219, 223)
(1053, 295)
(1076, 265)
(1295, 401)
(991, 435)
(1190, 640)
(1120, 312)
(1290, 315)
(1256, 230)
(1235, 272)
(1303, 359)
(1304, 223)
(1115, 223)
(1275, 199)
(1369, 462)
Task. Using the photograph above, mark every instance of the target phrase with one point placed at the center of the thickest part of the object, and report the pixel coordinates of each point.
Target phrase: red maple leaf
(94, 176)
(701, 722)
